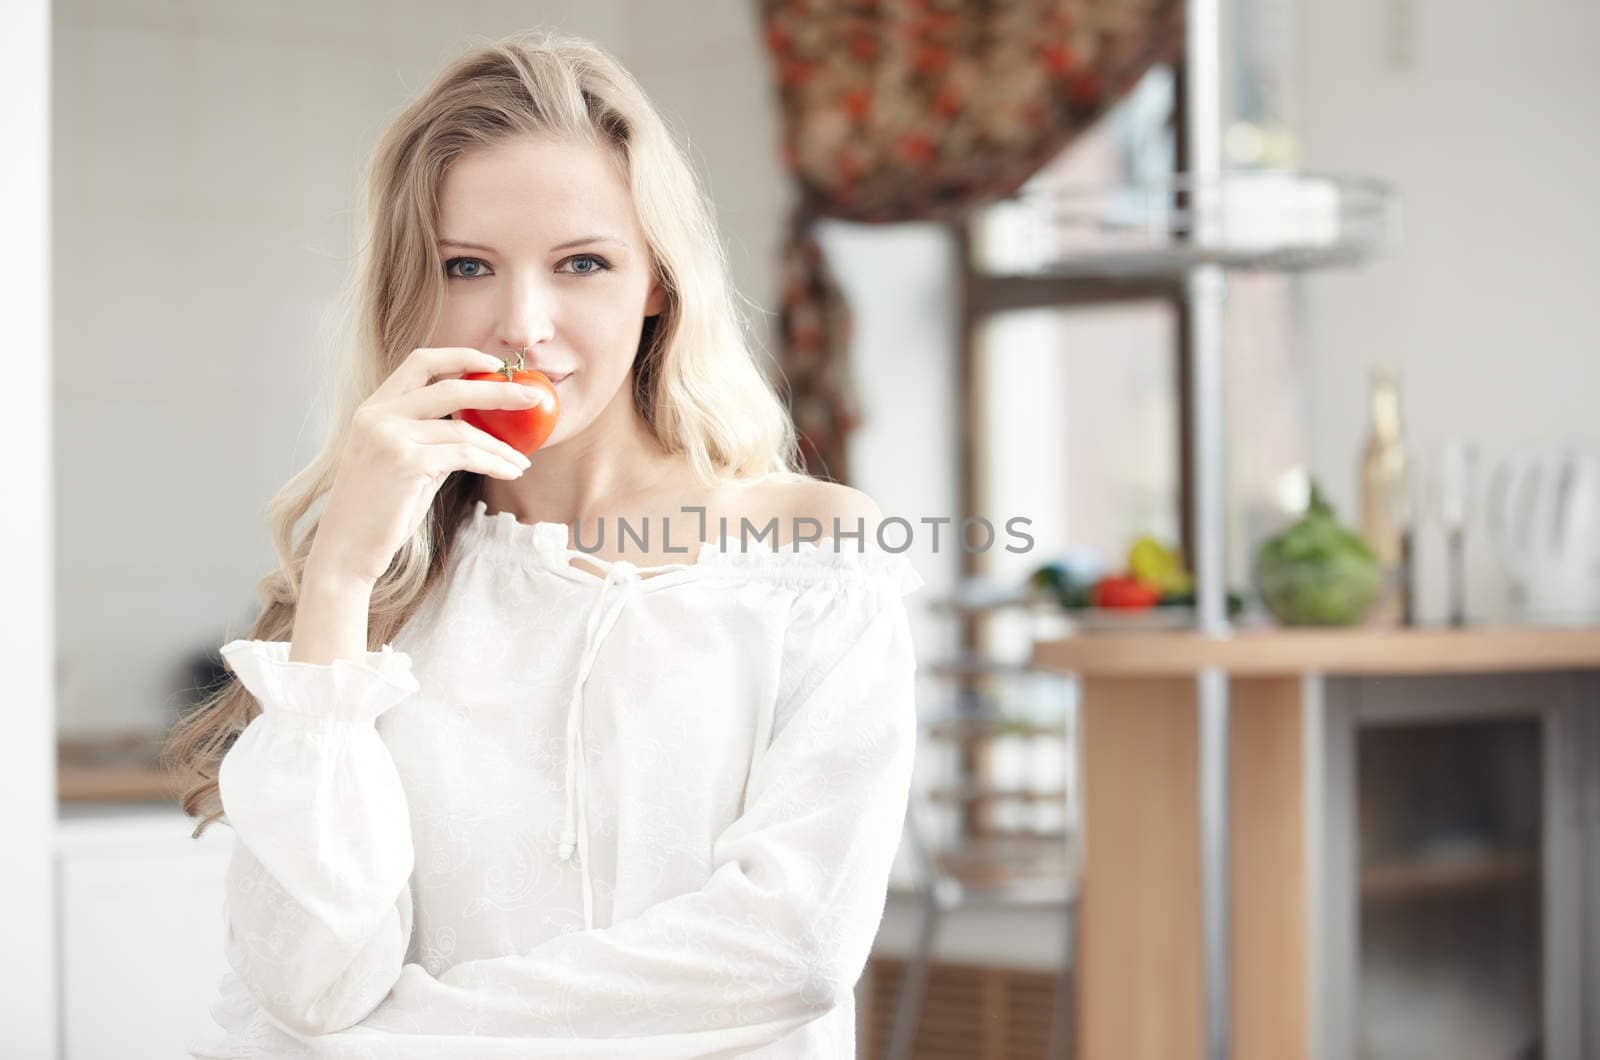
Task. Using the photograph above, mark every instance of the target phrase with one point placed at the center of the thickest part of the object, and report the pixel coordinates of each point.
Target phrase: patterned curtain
(908, 110)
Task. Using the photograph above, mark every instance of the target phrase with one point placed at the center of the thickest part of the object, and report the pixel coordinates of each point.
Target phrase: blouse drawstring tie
(621, 584)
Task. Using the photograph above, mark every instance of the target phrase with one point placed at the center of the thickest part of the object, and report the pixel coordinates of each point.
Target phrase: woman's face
(540, 246)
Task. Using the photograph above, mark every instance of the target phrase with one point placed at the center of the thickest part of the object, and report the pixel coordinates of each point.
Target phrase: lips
(554, 377)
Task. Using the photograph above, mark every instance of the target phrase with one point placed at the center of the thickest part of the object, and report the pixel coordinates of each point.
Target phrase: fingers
(426, 363)
(455, 432)
(465, 456)
(452, 395)
(414, 405)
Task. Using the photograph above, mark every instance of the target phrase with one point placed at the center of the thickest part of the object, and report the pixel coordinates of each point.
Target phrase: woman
(608, 801)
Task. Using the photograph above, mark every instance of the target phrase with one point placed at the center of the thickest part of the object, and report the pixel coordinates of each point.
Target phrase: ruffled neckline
(544, 545)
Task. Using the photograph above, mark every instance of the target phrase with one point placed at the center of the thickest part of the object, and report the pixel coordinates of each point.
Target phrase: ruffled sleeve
(318, 904)
(781, 930)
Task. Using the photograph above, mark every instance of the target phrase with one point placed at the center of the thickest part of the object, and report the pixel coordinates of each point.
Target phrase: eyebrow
(559, 246)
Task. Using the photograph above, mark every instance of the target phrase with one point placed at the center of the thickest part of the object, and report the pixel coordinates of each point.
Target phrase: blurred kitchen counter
(140, 941)
(114, 767)
(1359, 650)
(1141, 991)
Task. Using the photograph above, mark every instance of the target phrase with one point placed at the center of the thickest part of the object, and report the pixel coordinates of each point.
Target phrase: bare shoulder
(835, 506)
(788, 500)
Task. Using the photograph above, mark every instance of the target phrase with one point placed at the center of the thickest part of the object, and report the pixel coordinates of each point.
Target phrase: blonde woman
(496, 795)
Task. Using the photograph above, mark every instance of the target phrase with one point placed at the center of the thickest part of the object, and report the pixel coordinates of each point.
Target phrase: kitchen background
(204, 159)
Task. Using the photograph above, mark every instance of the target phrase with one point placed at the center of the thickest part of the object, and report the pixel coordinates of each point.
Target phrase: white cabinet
(140, 929)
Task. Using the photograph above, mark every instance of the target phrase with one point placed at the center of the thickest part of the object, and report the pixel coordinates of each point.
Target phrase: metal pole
(1207, 292)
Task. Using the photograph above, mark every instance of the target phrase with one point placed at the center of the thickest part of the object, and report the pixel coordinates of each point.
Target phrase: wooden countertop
(1358, 650)
(113, 784)
(111, 767)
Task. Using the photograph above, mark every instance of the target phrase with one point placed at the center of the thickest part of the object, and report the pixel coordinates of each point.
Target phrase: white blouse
(648, 812)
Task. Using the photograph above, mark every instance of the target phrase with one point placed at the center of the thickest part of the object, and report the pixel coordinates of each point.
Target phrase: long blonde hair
(698, 385)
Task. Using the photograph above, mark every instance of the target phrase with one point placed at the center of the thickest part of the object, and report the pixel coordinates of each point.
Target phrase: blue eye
(601, 265)
(469, 261)
(596, 264)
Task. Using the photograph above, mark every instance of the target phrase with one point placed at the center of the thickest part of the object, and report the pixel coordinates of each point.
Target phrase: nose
(527, 319)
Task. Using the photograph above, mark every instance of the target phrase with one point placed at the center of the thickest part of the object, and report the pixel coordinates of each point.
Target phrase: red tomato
(522, 429)
(1124, 591)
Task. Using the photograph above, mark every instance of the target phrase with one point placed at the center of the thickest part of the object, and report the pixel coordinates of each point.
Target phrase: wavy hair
(697, 382)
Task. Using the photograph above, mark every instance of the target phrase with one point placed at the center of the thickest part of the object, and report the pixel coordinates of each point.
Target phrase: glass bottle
(1385, 497)
(1455, 500)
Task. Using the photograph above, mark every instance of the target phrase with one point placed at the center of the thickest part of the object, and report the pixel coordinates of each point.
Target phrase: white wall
(1488, 118)
(206, 164)
(27, 759)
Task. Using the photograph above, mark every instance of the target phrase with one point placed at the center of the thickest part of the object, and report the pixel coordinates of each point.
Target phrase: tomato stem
(506, 368)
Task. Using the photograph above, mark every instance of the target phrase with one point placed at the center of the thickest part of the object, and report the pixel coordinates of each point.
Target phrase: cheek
(604, 338)
(457, 316)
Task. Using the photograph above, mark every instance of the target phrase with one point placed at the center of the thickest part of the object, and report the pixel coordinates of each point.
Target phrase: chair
(985, 871)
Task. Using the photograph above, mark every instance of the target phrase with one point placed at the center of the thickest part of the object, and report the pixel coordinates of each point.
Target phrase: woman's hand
(401, 448)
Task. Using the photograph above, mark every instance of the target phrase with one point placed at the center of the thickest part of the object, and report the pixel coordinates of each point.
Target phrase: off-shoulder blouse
(576, 808)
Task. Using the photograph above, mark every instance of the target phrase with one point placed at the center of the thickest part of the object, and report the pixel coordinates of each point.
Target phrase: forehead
(533, 187)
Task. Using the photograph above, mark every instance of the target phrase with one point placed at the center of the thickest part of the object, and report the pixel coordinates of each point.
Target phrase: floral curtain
(905, 110)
